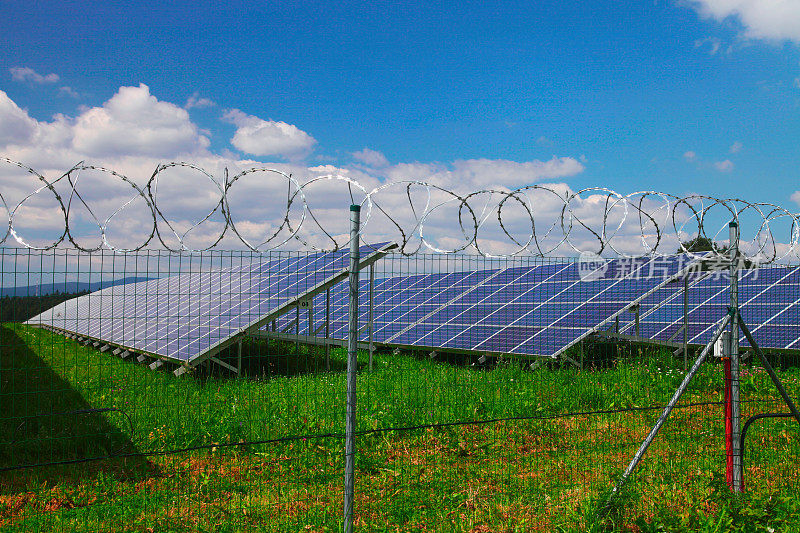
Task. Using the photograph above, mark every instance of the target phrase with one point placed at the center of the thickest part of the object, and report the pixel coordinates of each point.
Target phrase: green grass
(547, 473)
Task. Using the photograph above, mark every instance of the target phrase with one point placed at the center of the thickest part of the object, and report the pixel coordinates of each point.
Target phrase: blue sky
(680, 96)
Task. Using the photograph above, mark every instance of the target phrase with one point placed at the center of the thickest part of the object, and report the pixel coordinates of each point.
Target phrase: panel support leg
(352, 369)
(327, 329)
(239, 359)
(371, 311)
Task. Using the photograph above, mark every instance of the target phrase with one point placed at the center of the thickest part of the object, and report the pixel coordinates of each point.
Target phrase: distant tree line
(21, 308)
(702, 244)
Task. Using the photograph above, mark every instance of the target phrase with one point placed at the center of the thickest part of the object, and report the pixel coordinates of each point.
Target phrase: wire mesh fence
(158, 389)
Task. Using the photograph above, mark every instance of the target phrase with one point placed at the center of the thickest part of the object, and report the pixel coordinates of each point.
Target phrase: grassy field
(549, 445)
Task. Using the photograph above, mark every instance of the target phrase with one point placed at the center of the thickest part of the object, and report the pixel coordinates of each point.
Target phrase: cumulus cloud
(777, 20)
(690, 155)
(372, 158)
(134, 122)
(30, 75)
(736, 147)
(724, 166)
(261, 137)
(514, 174)
(133, 132)
(16, 127)
(796, 197)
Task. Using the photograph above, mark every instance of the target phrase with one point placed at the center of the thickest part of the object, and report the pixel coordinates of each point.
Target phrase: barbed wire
(593, 220)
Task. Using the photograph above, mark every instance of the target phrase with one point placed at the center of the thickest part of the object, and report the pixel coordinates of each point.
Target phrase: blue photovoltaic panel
(182, 316)
(540, 309)
(534, 310)
(768, 300)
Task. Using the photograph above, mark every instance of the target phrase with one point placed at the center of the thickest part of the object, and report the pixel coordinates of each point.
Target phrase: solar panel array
(525, 310)
(181, 317)
(536, 309)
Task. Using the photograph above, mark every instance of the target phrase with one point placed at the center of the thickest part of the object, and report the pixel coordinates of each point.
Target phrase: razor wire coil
(661, 221)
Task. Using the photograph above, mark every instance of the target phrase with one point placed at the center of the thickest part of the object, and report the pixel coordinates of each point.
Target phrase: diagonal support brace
(668, 409)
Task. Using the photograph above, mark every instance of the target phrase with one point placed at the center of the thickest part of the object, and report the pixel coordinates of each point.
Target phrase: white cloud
(30, 75)
(762, 19)
(373, 158)
(135, 123)
(16, 127)
(690, 155)
(796, 197)
(736, 147)
(261, 137)
(131, 133)
(513, 174)
(724, 166)
(487, 173)
(197, 101)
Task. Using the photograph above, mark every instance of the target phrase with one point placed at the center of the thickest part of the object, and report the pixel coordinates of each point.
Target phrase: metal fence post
(352, 368)
(734, 355)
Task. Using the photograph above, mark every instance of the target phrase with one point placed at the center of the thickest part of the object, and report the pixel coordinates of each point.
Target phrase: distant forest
(21, 308)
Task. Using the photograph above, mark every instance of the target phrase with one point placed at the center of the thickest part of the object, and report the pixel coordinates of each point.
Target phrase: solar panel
(183, 317)
(530, 310)
(537, 310)
(765, 296)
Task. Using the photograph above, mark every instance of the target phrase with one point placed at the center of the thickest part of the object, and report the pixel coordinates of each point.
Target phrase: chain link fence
(465, 421)
(167, 365)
